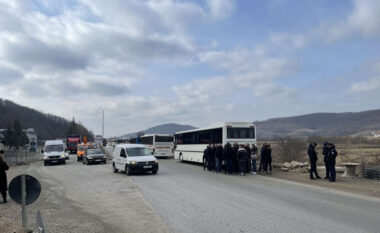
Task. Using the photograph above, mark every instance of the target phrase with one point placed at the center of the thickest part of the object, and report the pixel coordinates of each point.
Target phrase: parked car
(54, 152)
(132, 158)
(94, 156)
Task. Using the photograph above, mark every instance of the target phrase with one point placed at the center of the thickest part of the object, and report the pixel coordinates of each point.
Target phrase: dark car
(94, 156)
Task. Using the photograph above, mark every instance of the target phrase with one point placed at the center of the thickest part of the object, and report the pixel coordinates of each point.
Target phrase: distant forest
(46, 126)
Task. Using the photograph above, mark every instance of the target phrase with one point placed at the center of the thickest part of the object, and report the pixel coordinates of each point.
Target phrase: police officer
(262, 156)
(325, 150)
(331, 156)
(211, 159)
(268, 159)
(206, 156)
(313, 160)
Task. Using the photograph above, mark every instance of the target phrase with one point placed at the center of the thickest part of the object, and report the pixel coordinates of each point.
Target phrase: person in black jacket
(262, 156)
(248, 159)
(331, 156)
(313, 160)
(235, 161)
(211, 159)
(3, 177)
(218, 157)
(206, 156)
(242, 157)
(325, 151)
(268, 159)
(227, 152)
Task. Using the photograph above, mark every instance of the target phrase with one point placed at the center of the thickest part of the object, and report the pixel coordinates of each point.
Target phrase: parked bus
(190, 144)
(161, 145)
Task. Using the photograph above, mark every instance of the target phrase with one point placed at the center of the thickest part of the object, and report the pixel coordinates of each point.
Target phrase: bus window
(240, 133)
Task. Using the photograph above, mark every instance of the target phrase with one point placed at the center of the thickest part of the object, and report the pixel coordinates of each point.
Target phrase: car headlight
(45, 157)
(156, 161)
(63, 156)
(133, 162)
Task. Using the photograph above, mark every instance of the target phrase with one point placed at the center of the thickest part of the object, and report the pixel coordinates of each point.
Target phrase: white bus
(161, 145)
(190, 144)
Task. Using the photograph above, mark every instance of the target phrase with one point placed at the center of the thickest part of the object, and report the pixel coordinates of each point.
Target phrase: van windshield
(133, 152)
(54, 148)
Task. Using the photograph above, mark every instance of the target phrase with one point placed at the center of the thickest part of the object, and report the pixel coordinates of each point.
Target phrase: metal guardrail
(371, 172)
(40, 223)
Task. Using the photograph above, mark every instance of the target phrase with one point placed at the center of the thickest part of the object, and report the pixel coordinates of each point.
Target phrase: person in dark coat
(3, 177)
(211, 159)
(248, 159)
(325, 151)
(262, 157)
(218, 157)
(227, 152)
(268, 159)
(242, 157)
(206, 156)
(331, 156)
(235, 161)
(313, 160)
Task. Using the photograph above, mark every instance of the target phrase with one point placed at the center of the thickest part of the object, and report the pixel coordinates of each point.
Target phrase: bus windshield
(164, 139)
(236, 133)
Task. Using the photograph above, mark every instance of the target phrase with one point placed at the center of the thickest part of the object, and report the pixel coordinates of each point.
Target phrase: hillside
(47, 126)
(323, 124)
(170, 128)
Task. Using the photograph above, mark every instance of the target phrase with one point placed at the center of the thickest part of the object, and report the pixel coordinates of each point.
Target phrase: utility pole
(103, 109)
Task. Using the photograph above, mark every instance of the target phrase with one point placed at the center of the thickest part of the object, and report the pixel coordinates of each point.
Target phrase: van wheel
(127, 170)
(114, 169)
(45, 163)
(64, 162)
(154, 172)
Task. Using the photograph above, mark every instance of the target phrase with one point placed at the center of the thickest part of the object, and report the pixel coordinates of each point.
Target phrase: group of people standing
(329, 156)
(236, 159)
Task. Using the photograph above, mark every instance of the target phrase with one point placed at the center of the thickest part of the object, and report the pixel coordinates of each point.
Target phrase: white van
(132, 158)
(54, 152)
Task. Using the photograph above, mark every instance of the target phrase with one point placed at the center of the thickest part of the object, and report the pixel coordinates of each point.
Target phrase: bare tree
(291, 148)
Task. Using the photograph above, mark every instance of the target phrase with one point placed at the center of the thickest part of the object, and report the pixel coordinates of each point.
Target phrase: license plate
(150, 166)
(98, 160)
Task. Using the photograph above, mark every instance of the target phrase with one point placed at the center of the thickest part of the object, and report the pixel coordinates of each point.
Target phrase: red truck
(72, 143)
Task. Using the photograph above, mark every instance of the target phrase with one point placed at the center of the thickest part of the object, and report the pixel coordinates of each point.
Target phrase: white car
(132, 158)
(54, 152)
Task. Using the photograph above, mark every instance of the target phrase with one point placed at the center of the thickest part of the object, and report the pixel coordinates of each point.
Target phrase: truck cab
(133, 158)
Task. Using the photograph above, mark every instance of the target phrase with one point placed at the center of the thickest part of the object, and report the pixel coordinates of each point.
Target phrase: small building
(376, 134)
(32, 137)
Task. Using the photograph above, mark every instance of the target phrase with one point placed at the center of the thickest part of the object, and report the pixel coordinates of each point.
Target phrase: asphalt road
(192, 200)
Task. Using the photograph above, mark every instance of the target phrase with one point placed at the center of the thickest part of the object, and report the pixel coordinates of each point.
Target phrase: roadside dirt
(353, 185)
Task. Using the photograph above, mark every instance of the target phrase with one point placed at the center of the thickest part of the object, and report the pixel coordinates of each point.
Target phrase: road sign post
(24, 190)
(23, 201)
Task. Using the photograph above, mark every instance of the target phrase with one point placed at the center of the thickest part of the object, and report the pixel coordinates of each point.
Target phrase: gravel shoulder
(82, 198)
(349, 185)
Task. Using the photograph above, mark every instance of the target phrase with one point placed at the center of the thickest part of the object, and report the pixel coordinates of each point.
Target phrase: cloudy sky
(194, 62)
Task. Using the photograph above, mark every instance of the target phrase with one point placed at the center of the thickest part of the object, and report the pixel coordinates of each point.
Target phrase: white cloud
(221, 9)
